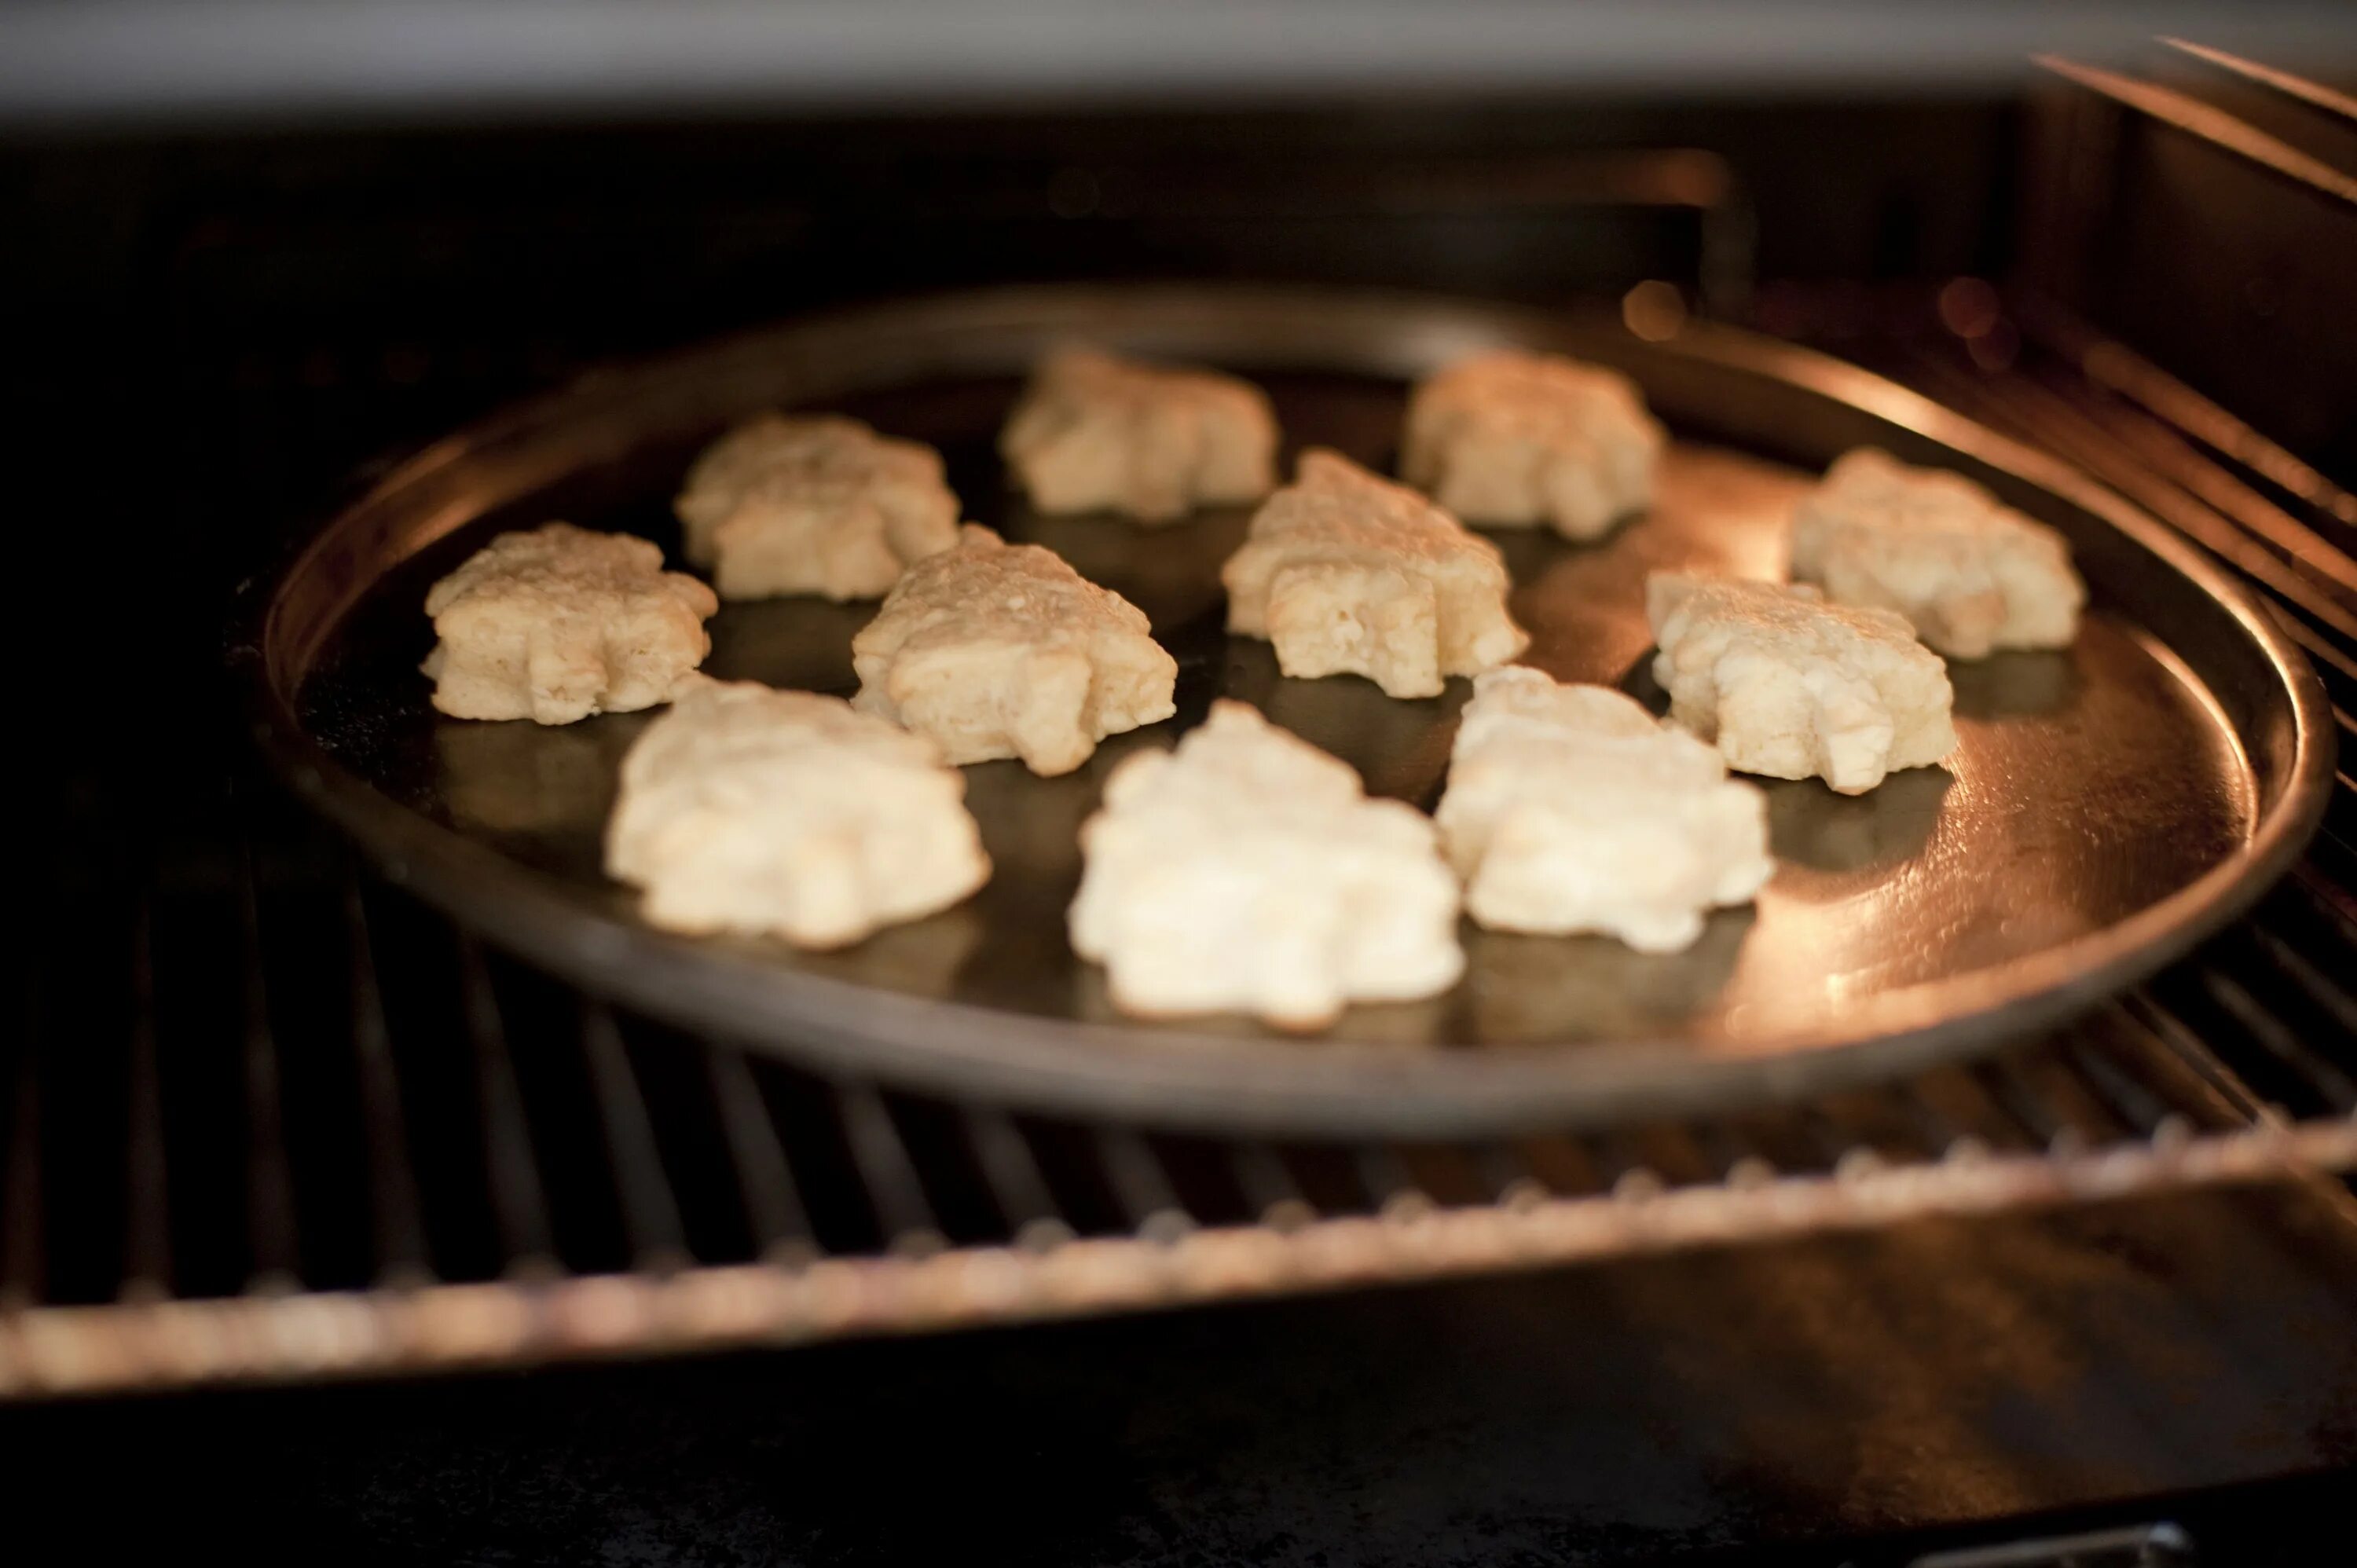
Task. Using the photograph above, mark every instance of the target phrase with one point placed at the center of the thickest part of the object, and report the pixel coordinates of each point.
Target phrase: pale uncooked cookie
(813, 504)
(1247, 872)
(1792, 687)
(1512, 439)
(1348, 573)
(558, 623)
(1972, 576)
(1098, 433)
(747, 809)
(1572, 809)
(997, 649)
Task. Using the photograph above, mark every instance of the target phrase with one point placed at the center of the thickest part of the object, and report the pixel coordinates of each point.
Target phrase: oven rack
(818, 1210)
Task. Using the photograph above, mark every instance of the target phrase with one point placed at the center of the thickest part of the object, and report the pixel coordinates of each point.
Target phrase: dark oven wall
(278, 307)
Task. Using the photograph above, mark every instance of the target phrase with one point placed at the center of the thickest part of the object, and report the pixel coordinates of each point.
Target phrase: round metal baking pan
(2109, 806)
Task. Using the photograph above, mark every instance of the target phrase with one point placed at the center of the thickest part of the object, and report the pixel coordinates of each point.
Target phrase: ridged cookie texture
(1789, 686)
(1098, 433)
(1247, 872)
(995, 650)
(1971, 575)
(1571, 809)
(1511, 439)
(813, 504)
(750, 810)
(557, 623)
(1345, 572)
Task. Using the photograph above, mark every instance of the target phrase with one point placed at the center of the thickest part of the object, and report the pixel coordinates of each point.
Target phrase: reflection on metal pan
(2110, 805)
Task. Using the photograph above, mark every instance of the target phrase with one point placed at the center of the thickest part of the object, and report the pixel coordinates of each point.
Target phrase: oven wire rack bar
(449, 1327)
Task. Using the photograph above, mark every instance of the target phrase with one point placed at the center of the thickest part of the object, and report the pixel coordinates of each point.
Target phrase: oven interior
(266, 1120)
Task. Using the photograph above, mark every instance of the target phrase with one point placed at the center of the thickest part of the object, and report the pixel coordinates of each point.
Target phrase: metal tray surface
(2109, 805)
